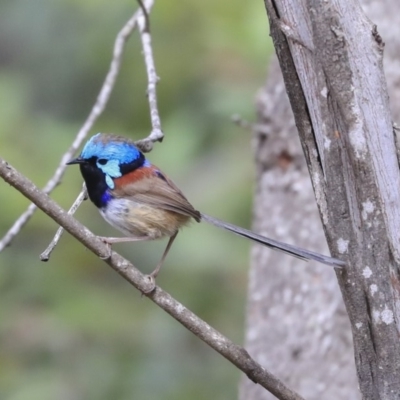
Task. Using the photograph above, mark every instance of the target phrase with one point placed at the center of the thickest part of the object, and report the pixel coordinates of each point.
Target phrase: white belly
(138, 220)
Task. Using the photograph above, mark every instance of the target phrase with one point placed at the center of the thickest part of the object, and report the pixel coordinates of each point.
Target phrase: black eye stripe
(102, 161)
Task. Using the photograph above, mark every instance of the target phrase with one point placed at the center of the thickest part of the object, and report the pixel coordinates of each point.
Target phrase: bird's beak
(77, 160)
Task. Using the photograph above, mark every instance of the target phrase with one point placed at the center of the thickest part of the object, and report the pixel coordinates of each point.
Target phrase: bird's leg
(159, 265)
(110, 240)
(153, 275)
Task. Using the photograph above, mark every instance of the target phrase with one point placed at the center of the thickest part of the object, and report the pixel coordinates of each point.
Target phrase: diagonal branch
(45, 256)
(156, 133)
(235, 354)
(97, 110)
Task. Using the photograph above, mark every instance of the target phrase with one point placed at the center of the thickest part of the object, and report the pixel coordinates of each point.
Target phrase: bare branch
(146, 27)
(241, 122)
(98, 108)
(249, 126)
(156, 133)
(45, 256)
(235, 354)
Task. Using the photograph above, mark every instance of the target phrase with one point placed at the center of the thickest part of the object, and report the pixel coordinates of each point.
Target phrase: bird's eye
(102, 161)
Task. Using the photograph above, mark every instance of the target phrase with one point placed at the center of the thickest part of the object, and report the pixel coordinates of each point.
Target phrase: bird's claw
(109, 251)
(152, 284)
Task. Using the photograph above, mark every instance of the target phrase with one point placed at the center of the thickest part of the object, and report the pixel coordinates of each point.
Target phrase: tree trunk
(297, 325)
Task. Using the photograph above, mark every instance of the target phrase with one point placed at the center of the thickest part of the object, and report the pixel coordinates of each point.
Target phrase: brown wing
(155, 190)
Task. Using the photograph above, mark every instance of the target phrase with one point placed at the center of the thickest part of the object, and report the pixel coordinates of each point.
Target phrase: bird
(138, 199)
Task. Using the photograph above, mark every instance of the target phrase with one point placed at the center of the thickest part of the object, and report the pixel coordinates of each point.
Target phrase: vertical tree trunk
(297, 325)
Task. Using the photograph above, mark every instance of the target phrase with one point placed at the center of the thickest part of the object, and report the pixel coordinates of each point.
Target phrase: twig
(45, 256)
(235, 354)
(96, 111)
(241, 122)
(156, 133)
(247, 125)
(146, 27)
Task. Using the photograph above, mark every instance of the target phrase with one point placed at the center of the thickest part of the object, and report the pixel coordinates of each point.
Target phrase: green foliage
(72, 328)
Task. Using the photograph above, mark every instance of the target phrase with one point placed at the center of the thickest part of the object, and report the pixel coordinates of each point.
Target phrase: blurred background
(72, 328)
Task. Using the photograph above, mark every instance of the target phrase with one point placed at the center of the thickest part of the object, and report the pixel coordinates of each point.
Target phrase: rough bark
(297, 325)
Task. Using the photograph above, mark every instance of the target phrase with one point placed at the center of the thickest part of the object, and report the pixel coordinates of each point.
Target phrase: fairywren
(135, 197)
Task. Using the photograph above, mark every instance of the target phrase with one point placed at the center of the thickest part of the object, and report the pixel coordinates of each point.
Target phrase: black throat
(95, 183)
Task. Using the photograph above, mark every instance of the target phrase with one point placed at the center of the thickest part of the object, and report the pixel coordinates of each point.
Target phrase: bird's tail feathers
(274, 244)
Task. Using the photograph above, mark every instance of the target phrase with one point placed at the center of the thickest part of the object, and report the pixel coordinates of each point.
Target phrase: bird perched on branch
(139, 200)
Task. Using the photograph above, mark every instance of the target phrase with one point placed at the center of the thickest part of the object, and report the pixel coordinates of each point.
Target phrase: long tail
(274, 244)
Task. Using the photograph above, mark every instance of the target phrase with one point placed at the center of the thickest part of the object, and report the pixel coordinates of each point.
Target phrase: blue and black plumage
(138, 199)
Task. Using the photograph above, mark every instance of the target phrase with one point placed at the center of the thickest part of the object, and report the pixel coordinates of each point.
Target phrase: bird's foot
(151, 284)
(108, 244)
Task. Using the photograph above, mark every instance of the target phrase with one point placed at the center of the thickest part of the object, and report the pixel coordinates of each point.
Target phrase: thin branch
(146, 27)
(241, 122)
(156, 133)
(235, 354)
(45, 256)
(250, 126)
(98, 108)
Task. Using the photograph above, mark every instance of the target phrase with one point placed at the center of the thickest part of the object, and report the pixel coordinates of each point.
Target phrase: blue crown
(111, 147)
